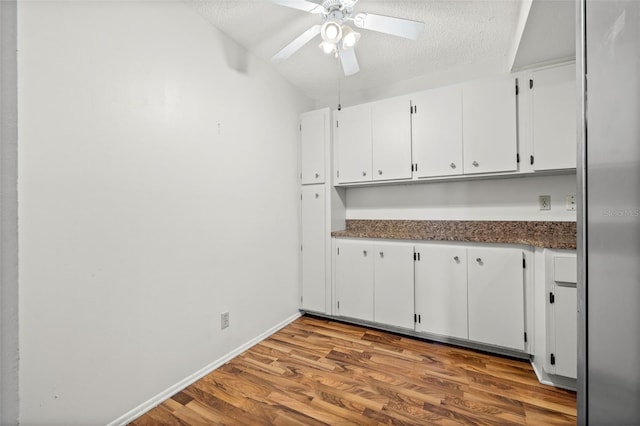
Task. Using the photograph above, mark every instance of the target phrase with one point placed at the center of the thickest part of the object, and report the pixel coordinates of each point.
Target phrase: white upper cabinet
(553, 93)
(314, 134)
(393, 284)
(354, 279)
(391, 139)
(313, 248)
(436, 125)
(490, 142)
(441, 290)
(353, 130)
(496, 296)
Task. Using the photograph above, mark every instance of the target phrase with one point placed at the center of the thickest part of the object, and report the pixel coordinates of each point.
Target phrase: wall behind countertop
(488, 199)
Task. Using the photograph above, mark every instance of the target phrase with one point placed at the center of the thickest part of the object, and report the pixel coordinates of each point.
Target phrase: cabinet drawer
(565, 269)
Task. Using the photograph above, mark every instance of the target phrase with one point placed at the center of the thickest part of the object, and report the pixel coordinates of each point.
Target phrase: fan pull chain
(339, 100)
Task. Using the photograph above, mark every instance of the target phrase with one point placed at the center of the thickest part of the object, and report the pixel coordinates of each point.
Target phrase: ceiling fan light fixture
(327, 47)
(349, 37)
(331, 32)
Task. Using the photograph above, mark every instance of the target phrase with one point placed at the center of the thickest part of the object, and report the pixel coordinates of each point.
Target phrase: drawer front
(565, 269)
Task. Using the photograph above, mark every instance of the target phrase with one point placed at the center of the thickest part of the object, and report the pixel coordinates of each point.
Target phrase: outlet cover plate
(571, 203)
(544, 201)
(224, 320)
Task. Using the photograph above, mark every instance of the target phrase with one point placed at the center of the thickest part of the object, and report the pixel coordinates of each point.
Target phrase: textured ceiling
(457, 33)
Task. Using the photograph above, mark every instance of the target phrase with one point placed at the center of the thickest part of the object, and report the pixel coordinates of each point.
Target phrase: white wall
(8, 215)
(487, 68)
(157, 189)
(493, 199)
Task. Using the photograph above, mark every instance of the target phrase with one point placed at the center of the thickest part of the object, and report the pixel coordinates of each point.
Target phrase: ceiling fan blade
(305, 5)
(296, 44)
(348, 60)
(389, 25)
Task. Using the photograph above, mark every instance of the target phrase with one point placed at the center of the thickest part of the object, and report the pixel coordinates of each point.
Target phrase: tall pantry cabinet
(322, 209)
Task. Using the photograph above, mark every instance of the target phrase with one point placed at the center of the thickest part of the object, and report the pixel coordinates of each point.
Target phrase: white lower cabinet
(562, 317)
(496, 296)
(374, 282)
(441, 290)
(466, 292)
(354, 279)
(393, 284)
(313, 248)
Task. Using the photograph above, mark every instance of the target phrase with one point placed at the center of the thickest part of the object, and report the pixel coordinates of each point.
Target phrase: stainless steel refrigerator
(608, 59)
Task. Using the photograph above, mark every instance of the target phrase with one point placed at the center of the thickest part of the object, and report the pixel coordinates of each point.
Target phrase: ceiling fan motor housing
(330, 5)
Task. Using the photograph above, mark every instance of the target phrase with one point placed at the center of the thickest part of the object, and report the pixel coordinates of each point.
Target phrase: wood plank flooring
(321, 372)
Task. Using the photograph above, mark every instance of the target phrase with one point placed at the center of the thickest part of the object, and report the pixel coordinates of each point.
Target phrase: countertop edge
(520, 240)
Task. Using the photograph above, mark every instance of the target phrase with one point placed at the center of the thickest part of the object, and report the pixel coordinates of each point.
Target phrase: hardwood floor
(320, 372)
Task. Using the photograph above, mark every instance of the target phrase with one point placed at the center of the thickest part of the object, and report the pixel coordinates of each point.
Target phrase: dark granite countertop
(558, 235)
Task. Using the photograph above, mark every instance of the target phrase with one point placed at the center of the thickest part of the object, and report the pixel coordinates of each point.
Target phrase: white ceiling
(457, 33)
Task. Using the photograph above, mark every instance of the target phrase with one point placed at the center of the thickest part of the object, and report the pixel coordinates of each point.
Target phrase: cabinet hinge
(415, 317)
(517, 90)
(552, 298)
(524, 264)
(338, 173)
(338, 251)
(531, 159)
(411, 167)
(410, 109)
(553, 359)
(419, 319)
(517, 158)
(525, 337)
(338, 304)
(416, 167)
(337, 123)
(530, 84)
(416, 256)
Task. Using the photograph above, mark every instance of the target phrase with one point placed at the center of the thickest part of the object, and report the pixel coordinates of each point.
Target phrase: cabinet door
(313, 249)
(354, 144)
(391, 139)
(496, 296)
(354, 280)
(562, 316)
(393, 284)
(436, 126)
(554, 118)
(566, 330)
(313, 139)
(489, 126)
(441, 290)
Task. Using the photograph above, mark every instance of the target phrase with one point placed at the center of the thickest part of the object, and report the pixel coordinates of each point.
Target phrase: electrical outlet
(545, 202)
(571, 203)
(224, 320)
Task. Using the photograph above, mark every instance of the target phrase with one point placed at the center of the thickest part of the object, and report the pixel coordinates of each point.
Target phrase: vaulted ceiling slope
(458, 33)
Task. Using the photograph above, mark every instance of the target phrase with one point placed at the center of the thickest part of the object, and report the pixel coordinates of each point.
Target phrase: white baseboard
(182, 384)
(553, 380)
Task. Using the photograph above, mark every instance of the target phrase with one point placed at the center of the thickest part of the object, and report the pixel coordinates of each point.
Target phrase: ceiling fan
(338, 38)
